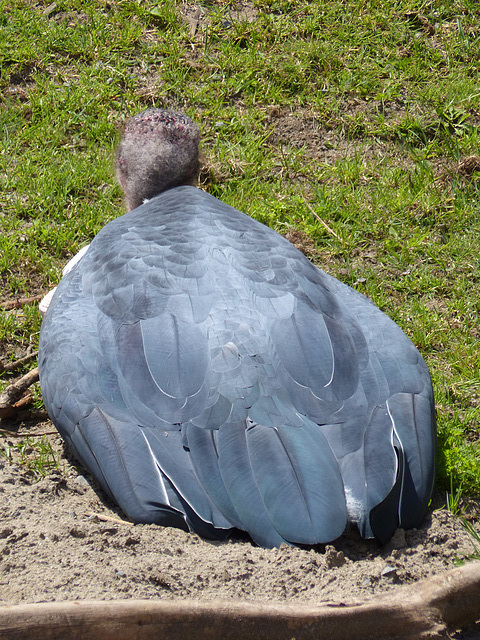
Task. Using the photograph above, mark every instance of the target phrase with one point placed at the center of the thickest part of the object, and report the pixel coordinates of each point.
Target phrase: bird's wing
(388, 463)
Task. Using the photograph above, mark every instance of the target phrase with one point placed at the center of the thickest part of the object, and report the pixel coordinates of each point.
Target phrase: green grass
(365, 114)
(36, 456)
(475, 539)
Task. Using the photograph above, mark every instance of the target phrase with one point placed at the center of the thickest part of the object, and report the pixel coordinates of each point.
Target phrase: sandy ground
(56, 545)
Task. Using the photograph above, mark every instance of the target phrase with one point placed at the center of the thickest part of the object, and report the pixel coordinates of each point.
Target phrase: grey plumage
(210, 377)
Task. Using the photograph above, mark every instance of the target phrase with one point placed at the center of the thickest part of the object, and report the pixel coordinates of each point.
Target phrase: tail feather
(299, 480)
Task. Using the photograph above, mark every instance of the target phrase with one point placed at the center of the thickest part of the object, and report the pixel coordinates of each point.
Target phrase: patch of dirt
(55, 544)
(462, 173)
(307, 131)
(198, 19)
(303, 242)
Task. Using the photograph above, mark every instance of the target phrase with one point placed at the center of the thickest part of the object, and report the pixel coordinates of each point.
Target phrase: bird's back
(211, 377)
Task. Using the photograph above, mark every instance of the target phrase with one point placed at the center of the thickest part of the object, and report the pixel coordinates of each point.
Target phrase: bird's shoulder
(187, 243)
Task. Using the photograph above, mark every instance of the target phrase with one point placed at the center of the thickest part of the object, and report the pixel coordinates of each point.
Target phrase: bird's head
(158, 151)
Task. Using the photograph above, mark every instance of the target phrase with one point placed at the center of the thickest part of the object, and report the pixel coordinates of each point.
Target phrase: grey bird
(211, 378)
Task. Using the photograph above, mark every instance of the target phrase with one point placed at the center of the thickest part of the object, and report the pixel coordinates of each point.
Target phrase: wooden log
(414, 612)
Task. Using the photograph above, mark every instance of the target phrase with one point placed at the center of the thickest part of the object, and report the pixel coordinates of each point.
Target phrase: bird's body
(210, 377)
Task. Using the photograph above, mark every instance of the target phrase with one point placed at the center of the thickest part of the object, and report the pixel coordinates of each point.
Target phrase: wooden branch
(413, 612)
(13, 392)
(16, 304)
(11, 366)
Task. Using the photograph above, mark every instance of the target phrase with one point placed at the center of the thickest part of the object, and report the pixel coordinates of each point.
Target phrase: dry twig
(317, 217)
(11, 366)
(10, 396)
(17, 434)
(16, 304)
(100, 516)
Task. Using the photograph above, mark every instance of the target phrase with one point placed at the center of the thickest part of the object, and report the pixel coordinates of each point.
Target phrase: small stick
(16, 434)
(100, 516)
(12, 393)
(11, 366)
(24, 400)
(15, 304)
(317, 217)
